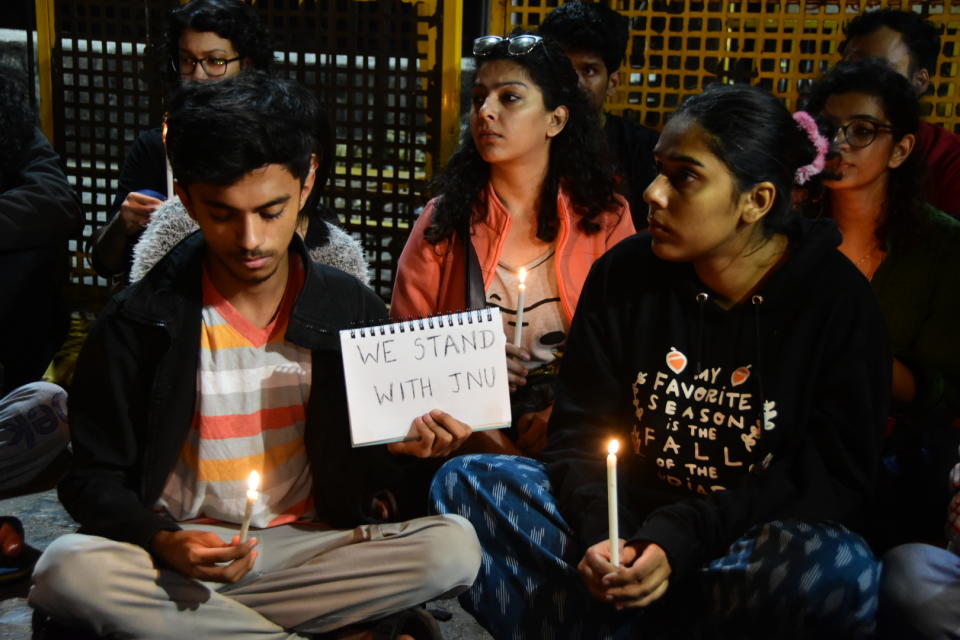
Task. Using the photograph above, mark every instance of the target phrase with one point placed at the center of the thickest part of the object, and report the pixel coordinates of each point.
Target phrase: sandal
(415, 621)
(21, 565)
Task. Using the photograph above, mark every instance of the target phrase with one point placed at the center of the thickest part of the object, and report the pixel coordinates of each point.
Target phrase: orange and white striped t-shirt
(252, 393)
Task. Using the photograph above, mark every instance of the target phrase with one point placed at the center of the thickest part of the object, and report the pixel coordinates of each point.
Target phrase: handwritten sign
(396, 372)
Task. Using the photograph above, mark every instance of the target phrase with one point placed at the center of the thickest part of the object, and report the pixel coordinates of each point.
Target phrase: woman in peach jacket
(532, 184)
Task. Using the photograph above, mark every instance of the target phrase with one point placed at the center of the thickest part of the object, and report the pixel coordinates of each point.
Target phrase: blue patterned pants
(782, 579)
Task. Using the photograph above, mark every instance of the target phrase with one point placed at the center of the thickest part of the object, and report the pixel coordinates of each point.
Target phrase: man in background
(595, 39)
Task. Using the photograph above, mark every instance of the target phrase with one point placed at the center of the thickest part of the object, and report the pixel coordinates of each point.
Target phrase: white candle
(163, 135)
(612, 520)
(253, 483)
(521, 289)
(169, 179)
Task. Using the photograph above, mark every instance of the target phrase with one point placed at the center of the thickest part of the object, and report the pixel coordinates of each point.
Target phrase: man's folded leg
(113, 588)
(316, 581)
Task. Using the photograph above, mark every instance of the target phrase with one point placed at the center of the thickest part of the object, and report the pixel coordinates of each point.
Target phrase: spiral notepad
(396, 372)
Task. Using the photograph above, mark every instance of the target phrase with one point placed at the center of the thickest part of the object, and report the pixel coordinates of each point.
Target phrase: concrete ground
(44, 519)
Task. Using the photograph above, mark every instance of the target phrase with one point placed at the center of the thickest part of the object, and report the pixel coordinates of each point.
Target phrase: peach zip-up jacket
(431, 278)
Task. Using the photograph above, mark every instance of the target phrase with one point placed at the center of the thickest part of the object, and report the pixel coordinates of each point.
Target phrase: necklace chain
(869, 254)
(865, 262)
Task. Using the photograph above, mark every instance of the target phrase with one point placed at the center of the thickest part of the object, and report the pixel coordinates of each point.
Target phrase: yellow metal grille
(678, 46)
(384, 70)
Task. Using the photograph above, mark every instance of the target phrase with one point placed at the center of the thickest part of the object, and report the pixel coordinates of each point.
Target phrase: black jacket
(39, 213)
(38, 207)
(631, 150)
(134, 393)
(679, 380)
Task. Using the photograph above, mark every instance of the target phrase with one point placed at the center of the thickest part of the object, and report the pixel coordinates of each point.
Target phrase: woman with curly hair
(909, 252)
(206, 41)
(529, 191)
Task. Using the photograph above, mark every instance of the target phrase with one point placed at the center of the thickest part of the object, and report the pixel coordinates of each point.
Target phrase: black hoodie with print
(653, 361)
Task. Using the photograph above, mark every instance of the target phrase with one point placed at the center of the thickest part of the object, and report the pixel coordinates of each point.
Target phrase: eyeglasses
(213, 67)
(859, 132)
(518, 45)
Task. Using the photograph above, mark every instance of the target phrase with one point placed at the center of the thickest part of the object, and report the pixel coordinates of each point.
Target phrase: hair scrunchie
(809, 126)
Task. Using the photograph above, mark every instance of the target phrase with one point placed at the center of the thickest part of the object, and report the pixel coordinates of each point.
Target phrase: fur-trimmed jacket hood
(170, 224)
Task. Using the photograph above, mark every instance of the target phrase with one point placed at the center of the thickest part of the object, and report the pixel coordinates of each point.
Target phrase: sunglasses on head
(518, 45)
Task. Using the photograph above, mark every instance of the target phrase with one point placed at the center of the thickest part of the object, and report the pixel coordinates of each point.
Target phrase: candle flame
(253, 482)
(613, 447)
(522, 275)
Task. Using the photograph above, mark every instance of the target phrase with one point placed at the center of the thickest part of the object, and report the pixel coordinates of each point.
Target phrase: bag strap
(475, 297)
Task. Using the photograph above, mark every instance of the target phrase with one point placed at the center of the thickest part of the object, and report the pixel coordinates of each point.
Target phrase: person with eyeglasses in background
(910, 252)
(206, 41)
(529, 187)
(911, 45)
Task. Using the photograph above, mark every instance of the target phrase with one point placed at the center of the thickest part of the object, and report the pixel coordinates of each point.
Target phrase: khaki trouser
(306, 579)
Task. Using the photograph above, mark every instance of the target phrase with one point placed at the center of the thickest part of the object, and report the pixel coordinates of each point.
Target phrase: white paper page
(399, 371)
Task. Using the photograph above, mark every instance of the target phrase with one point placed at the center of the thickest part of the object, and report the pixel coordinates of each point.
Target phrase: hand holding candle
(253, 483)
(521, 289)
(612, 519)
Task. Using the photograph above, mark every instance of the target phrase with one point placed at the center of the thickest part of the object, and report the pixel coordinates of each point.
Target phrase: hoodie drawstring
(757, 301)
(702, 298)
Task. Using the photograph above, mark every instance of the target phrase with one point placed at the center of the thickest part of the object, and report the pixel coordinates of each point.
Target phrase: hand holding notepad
(396, 372)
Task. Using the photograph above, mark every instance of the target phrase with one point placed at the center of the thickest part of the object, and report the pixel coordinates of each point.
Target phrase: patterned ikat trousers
(782, 579)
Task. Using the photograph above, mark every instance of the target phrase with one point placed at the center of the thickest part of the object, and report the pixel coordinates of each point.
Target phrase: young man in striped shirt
(224, 359)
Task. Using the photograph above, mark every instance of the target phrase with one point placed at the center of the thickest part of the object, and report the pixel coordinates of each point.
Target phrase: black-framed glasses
(517, 45)
(212, 66)
(859, 132)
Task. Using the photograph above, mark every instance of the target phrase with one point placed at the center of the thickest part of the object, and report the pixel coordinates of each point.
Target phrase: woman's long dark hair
(577, 161)
(874, 77)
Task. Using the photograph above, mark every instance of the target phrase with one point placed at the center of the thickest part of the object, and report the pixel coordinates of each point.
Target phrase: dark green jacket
(918, 287)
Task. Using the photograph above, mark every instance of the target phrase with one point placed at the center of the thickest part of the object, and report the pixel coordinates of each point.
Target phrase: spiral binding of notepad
(457, 318)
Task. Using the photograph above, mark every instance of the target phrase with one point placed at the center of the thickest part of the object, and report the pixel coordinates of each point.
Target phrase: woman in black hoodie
(733, 352)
